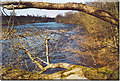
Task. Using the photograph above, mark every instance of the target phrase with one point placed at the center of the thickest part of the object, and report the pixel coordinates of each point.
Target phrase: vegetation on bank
(99, 46)
(19, 20)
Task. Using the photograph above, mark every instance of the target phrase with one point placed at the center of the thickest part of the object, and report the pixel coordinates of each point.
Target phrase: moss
(115, 75)
(97, 73)
(100, 73)
(94, 73)
(76, 66)
(89, 73)
(105, 71)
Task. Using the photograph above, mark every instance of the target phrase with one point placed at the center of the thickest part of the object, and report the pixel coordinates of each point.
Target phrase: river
(32, 37)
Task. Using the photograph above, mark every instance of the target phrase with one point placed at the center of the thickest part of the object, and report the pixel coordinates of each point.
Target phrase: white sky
(41, 12)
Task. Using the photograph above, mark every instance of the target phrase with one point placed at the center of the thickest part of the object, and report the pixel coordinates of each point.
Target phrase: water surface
(32, 37)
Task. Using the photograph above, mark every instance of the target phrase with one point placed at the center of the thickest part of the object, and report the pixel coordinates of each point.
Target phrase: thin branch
(41, 60)
(40, 66)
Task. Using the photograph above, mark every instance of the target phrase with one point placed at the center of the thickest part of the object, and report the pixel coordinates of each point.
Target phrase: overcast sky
(41, 12)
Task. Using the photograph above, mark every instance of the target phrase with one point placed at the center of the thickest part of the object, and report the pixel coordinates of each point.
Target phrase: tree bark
(104, 15)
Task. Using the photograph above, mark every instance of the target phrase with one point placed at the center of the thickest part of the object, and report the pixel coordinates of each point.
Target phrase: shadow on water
(53, 70)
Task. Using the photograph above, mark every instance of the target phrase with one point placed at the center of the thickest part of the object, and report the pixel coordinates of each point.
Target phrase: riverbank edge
(75, 72)
(22, 20)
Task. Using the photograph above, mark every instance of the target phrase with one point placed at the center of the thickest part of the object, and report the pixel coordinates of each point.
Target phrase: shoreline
(21, 20)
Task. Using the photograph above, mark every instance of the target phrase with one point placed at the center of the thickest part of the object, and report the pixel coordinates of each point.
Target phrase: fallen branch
(57, 65)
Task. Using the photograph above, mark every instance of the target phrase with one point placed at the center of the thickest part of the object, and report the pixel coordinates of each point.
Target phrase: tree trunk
(104, 15)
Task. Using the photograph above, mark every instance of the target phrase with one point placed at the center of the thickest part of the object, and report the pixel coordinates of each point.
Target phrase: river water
(32, 37)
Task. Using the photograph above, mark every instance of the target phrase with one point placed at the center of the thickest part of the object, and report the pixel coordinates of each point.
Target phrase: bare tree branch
(30, 56)
(104, 15)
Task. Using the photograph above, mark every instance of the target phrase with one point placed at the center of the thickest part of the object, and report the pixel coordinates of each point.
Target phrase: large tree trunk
(104, 15)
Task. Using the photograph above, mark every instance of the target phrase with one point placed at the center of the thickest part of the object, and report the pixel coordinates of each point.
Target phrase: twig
(41, 60)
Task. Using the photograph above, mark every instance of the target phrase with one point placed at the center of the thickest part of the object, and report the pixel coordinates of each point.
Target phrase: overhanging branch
(104, 15)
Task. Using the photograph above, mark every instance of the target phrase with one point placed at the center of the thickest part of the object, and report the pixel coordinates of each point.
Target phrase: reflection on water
(33, 36)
